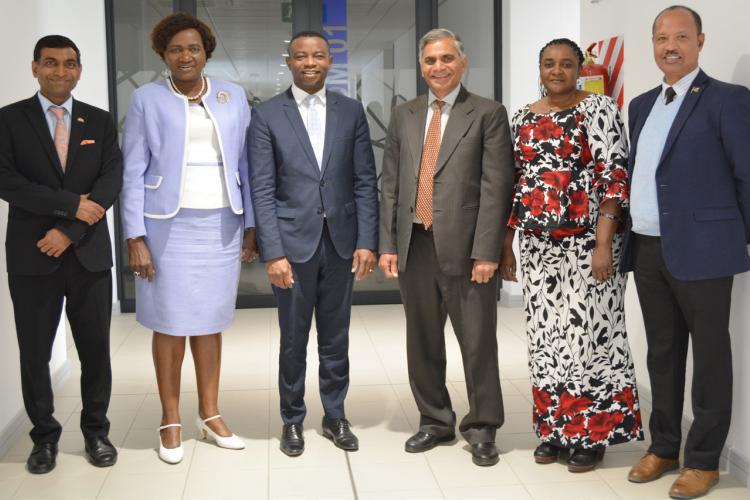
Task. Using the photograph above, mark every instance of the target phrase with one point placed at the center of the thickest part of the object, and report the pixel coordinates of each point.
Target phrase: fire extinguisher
(593, 77)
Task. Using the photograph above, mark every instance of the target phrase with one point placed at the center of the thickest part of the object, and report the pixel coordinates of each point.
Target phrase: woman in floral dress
(571, 160)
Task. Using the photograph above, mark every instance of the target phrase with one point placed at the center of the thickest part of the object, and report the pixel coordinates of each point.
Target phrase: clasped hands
(280, 273)
(481, 270)
(89, 211)
(55, 242)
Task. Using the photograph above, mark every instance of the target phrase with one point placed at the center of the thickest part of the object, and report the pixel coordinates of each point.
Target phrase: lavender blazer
(154, 144)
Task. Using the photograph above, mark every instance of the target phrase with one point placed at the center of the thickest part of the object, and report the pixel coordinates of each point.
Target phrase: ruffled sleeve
(609, 150)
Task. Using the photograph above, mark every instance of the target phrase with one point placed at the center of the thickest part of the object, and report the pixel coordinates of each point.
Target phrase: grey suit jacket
(473, 182)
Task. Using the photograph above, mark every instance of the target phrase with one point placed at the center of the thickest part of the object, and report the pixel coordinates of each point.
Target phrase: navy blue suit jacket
(703, 180)
(291, 194)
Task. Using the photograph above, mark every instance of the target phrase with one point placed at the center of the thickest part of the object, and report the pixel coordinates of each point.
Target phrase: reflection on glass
(374, 61)
(251, 40)
(476, 29)
(137, 65)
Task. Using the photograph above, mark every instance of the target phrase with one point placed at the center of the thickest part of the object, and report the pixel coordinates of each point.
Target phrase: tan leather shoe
(693, 483)
(651, 467)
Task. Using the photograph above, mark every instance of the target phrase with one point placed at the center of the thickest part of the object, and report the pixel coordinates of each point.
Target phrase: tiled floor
(379, 405)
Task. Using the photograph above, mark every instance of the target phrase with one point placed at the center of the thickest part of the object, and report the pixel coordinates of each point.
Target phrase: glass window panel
(373, 46)
(251, 41)
(475, 26)
(137, 64)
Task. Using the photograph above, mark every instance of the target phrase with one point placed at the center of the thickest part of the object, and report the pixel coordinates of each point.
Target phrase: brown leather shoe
(693, 483)
(651, 467)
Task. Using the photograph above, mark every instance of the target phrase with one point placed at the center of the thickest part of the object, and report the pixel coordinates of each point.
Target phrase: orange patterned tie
(430, 153)
(61, 135)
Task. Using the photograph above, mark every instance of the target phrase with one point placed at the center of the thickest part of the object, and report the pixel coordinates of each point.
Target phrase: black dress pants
(322, 288)
(675, 311)
(37, 306)
(429, 298)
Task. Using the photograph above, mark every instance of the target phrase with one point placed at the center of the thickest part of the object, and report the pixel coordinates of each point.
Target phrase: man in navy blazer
(314, 187)
(689, 229)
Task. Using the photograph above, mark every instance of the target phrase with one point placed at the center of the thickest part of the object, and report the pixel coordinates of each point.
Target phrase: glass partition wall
(373, 43)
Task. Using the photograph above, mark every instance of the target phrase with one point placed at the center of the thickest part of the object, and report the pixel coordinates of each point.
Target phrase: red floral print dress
(582, 374)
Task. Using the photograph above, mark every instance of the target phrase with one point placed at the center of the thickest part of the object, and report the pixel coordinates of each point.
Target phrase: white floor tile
(379, 405)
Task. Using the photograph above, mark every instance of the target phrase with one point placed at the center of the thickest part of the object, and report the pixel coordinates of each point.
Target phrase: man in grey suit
(315, 197)
(447, 180)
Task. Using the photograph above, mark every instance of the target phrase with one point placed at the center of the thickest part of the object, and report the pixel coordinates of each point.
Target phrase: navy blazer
(703, 180)
(291, 195)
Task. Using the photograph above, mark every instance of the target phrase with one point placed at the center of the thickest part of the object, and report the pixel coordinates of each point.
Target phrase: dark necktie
(669, 94)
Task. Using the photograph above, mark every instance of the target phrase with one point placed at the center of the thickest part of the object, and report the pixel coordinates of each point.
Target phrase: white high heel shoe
(230, 442)
(170, 455)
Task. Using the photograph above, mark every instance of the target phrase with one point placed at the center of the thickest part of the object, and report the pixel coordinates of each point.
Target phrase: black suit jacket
(41, 196)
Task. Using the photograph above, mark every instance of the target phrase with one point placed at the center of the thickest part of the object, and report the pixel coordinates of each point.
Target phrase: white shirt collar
(450, 99)
(300, 95)
(46, 103)
(682, 85)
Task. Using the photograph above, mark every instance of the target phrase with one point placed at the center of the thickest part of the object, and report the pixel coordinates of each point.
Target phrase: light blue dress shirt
(50, 116)
(644, 204)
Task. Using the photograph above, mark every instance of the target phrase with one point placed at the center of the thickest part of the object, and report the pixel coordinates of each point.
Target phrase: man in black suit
(60, 169)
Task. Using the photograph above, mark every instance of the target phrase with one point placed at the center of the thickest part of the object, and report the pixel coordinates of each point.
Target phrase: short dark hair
(55, 42)
(696, 17)
(173, 24)
(307, 33)
(564, 41)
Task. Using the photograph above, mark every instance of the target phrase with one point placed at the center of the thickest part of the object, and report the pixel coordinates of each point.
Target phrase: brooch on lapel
(695, 90)
(222, 96)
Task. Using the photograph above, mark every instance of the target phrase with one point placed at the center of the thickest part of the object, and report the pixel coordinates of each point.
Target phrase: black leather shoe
(547, 453)
(484, 454)
(583, 460)
(43, 458)
(338, 430)
(292, 441)
(423, 441)
(100, 451)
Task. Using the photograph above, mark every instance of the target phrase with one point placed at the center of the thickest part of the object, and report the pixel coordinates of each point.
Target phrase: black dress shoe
(584, 460)
(292, 441)
(100, 451)
(547, 453)
(484, 454)
(338, 430)
(43, 458)
(423, 441)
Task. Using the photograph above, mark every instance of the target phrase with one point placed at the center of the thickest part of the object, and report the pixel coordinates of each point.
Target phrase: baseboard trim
(12, 431)
(733, 462)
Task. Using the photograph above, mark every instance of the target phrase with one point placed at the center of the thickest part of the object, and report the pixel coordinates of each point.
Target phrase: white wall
(21, 25)
(726, 56)
(527, 27)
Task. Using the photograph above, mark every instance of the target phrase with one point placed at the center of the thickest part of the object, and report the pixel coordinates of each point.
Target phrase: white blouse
(203, 185)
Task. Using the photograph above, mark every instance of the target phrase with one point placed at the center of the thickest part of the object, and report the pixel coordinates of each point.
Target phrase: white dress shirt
(320, 105)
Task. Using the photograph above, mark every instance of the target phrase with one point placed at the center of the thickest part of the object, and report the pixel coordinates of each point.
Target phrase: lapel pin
(695, 90)
(222, 96)
(80, 120)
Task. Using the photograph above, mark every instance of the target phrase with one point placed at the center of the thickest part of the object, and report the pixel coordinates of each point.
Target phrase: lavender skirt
(196, 256)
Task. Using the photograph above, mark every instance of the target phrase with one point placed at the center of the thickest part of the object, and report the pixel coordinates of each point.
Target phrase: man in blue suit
(689, 228)
(316, 205)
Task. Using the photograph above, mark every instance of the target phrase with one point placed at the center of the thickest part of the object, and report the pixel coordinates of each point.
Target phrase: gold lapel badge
(695, 90)
(222, 96)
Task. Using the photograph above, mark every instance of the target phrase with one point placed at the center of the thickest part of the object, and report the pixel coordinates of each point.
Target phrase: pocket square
(86, 142)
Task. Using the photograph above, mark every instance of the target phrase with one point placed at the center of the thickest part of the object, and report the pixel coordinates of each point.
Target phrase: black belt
(419, 227)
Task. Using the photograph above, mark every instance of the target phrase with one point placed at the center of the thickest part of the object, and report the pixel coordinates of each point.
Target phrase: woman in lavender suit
(185, 203)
